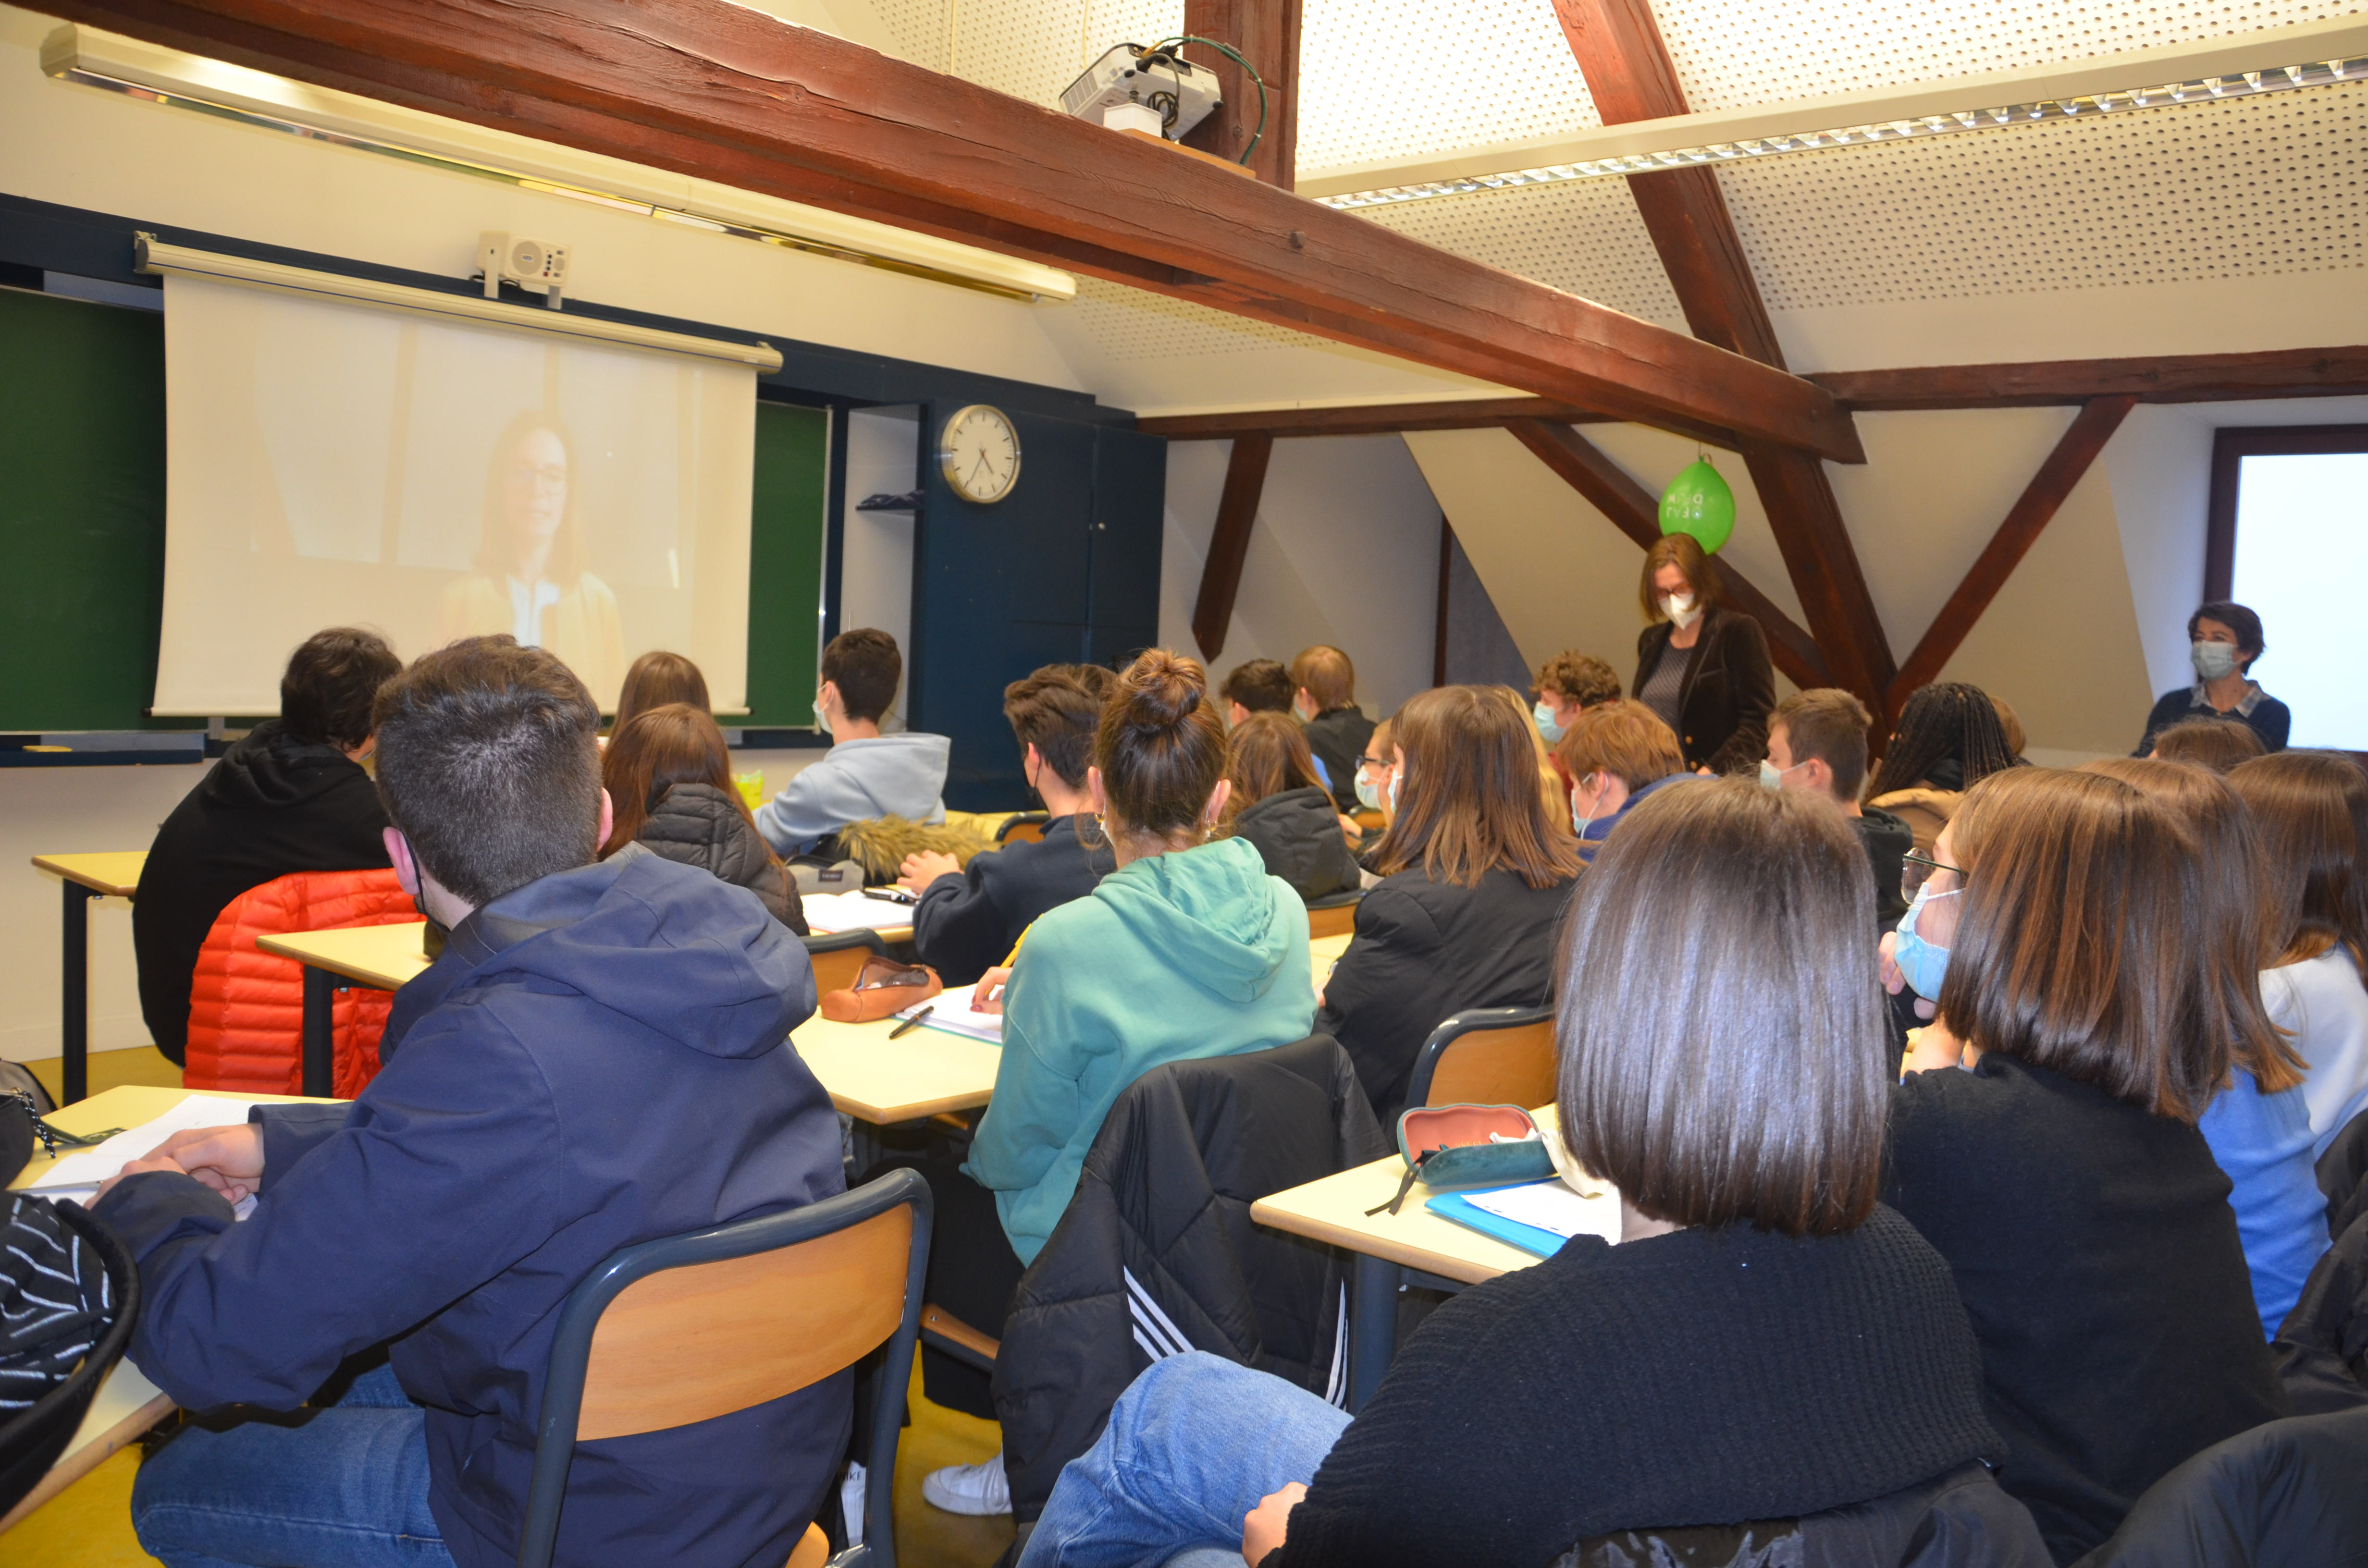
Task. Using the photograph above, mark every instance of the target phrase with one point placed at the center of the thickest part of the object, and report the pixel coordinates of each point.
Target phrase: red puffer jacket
(246, 1007)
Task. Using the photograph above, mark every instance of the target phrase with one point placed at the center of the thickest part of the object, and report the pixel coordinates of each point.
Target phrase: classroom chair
(1023, 827)
(686, 1328)
(1334, 915)
(838, 957)
(1487, 1056)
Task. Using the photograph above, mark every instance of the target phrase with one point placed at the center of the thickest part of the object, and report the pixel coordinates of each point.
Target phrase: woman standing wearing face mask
(2223, 640)
(1703, 668)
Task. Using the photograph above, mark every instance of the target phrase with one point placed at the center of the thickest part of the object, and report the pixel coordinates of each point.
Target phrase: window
(2289, 538)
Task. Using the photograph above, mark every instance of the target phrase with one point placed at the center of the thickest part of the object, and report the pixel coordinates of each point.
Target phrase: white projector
(537, 266)
(1132, 88)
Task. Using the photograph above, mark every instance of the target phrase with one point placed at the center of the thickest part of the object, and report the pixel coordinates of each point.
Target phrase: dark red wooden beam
(726, 92)
(1631, 77)
(1636, 512)
(2173, 377)
(2075, 452)
(1229, 545)
(1394, 418)
(1266, 34)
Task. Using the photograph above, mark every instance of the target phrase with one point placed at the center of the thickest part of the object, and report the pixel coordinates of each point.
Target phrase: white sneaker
(976, 1489)
(850, 1501)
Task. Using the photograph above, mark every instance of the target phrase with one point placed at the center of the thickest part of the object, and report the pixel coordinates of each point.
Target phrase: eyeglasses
(1916, 869)
(1380, 762)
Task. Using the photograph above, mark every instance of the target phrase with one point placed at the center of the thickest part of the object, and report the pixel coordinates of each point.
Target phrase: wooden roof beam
(1229, 542)
(1266, 34)
(727, 92)
(2158, 377)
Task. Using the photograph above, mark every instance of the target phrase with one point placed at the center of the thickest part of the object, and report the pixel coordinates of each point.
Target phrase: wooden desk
(112, 874)
(380, 956)
(1384, 1246)
(126, 1403)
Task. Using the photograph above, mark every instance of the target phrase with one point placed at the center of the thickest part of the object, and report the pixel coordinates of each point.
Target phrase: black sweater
(1425, 950)
(1337, 737)
(2094, 1248)
(968, 920)
(1703, 1377)
(1298, 834)
(270, 806)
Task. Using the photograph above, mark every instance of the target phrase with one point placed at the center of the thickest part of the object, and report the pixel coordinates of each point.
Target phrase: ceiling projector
(1132, 88)
(537, 266)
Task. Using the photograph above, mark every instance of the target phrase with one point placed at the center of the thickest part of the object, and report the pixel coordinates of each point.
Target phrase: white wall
(1344, 551)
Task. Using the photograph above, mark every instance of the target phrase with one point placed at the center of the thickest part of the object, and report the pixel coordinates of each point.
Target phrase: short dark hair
(1762, 899)
(865, 666)
(1261, 685)
(1325, 673)
(1583, 678)
(325, 696)
(2216, 743)
(1829, 724)
(1056, 710)
(2237, 619)
(658, 678)
(487, 763)
(1161, 747)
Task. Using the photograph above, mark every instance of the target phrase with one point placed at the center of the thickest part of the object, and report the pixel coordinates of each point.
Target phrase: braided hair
(1944, 721)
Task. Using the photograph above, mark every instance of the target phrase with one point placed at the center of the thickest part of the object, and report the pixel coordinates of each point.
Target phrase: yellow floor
(89, 1525)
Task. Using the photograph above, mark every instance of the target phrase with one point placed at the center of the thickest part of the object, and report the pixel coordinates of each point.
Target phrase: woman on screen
(529, 578)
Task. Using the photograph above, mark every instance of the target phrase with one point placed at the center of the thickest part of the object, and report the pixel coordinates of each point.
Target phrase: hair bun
(1161, 689)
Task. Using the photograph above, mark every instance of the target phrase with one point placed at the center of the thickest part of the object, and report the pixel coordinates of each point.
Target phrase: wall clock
(978, 452)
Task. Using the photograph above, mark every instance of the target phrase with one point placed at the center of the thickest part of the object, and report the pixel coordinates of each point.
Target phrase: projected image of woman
(529, 579)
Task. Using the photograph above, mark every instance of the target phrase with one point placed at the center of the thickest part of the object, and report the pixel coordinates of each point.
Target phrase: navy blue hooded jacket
(598, 1057)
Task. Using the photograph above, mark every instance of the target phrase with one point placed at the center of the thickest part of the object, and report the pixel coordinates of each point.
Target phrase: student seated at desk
(1187, 949)
(1473, 877)
(655, 679)
(1280, 807)
(598, 1057)
(1616, 754)
(1324, 694)
(292, 795)
(668, 774)
(1765, 1342)
(970, 917)
(865, 773)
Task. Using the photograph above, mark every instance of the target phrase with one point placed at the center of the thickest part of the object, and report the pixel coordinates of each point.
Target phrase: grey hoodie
(899, 776)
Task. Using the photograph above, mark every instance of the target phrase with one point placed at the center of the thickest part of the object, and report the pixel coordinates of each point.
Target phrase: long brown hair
(652, 752)
(1468, 801)
(1755, 1092)
(1161, 747)
(2083, 947)
(2235, 883)
(657, 678)
(2312, 809)
(1267, 756)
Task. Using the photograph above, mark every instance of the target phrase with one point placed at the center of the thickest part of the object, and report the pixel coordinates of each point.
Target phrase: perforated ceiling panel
(1031, 49)
(1384, 79)
(1733, 53)
(919, 27)
(1584, 238)
(2241, 188)
(1129, 324)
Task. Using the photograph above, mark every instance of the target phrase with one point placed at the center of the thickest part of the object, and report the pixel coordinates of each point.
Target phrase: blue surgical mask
(1921, 964)
(1367, 796)
(1393, 793)
(2213, 660)
(1548, 727)
(822, 718)
(1772, 777)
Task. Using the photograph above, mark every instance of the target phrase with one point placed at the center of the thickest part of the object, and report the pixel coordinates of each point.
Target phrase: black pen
(913, 1022)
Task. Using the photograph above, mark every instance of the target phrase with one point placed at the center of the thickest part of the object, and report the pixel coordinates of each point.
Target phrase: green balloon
(1699, 503)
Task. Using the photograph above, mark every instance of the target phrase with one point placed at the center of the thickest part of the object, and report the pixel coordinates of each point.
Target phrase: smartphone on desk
(890, 896)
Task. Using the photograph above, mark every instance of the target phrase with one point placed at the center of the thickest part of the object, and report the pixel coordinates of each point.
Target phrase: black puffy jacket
(694, 824)
(1298, 834)
(1157, 1253)
(2287, 1491)
(2322, 1347)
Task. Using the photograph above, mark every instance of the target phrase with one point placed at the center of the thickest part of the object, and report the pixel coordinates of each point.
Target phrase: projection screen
(341, 465)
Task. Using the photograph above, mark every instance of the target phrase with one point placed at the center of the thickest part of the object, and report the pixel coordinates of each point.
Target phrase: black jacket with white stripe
(1156, 1254)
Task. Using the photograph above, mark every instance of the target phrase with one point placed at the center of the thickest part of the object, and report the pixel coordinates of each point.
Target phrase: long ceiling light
(143, 71)
(1819, 125)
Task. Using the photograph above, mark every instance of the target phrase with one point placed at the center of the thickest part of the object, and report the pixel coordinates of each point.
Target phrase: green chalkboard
(82, 525)
(82, 514)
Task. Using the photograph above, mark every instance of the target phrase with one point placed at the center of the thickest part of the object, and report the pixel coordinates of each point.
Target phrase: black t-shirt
(2095, 1250)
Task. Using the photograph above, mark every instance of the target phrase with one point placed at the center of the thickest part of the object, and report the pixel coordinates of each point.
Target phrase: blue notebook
(1459, 1208)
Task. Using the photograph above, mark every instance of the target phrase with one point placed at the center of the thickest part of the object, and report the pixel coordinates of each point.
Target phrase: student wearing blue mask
(2223, 640)
(1568, 683)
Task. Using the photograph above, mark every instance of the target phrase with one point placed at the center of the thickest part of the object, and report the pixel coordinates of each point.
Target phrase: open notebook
(1537, 1216)
(77, 1175)
(853, 911)
(950, 1011)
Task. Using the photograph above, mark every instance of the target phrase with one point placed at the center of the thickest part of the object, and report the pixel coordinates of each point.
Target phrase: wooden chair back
(1028, 827)
(838, 958)
(1487, 1056)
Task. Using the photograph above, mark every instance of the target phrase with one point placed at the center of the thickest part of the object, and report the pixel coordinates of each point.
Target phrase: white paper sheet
(950, 1011)
(853, 911)
(1551, 1206)
(85, 1168)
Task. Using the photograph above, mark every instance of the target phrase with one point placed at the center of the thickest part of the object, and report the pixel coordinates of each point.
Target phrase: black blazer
(1729, 689)
(967, 920)
(1424, 950)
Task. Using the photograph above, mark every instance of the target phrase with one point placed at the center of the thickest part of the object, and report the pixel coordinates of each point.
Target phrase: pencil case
(882, 987)
(1449, 1147)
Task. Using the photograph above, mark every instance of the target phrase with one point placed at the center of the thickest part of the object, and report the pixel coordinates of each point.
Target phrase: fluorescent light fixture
(152, 255)
(139, 70)
(2220, 69)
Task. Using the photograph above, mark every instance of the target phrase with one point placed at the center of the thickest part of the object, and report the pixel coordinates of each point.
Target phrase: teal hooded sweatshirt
(1197, 952)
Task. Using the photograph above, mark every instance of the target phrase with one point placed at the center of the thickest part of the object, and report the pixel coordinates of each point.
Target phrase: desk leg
(74, 1064)
(320, 1025)
(1373, 1326)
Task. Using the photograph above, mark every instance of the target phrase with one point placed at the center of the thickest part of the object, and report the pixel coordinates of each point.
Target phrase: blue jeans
(345, 1487)
(1192, 1447)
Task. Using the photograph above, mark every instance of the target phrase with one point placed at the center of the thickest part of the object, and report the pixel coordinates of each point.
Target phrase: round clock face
(979, 453)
